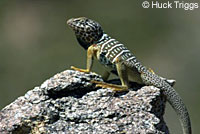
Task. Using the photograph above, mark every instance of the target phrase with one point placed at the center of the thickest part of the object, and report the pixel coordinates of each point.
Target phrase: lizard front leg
(91, 52)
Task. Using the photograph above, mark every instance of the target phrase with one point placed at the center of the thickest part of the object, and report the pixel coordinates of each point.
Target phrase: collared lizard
(117, 59)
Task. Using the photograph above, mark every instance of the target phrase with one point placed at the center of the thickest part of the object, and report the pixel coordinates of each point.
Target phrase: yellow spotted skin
(118, 59)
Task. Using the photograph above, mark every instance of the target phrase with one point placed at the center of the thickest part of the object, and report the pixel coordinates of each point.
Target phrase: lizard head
(87, 31)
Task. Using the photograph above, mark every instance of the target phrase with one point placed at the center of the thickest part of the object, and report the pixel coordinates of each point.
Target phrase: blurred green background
(36, 43)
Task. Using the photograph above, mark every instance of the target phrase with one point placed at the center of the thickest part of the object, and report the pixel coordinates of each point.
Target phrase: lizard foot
(116, 88)
(80, 70)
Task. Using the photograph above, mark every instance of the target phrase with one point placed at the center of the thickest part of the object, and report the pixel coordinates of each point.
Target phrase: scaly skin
(117, 59)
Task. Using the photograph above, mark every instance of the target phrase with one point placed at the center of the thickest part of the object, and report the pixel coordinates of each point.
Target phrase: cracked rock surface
(69, 103)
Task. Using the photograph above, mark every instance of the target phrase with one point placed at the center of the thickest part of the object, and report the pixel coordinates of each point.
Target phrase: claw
(114, 87)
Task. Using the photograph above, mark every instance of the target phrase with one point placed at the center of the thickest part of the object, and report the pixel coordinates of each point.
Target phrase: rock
(69, 103)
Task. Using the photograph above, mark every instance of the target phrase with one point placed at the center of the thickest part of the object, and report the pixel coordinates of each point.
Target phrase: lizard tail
(172, 97)
(177, 103)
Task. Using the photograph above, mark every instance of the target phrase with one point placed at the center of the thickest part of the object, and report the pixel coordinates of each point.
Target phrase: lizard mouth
(74, 23)
(76, 20)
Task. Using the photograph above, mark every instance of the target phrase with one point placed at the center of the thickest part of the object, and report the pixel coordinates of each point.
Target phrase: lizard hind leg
(171, 82)
(122, 73)
(114, 87)
(151, 70)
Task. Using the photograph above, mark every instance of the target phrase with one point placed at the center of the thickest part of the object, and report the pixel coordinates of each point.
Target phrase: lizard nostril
(69, 22)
